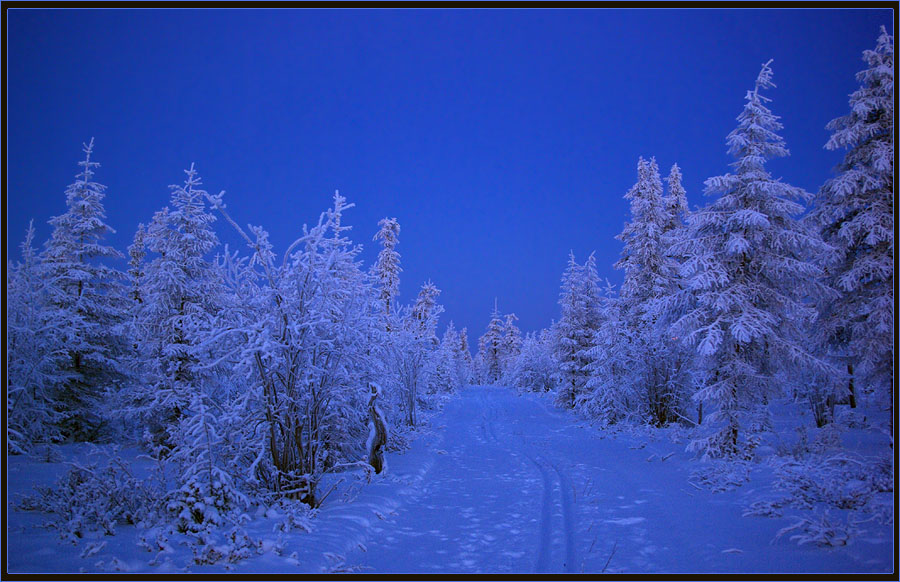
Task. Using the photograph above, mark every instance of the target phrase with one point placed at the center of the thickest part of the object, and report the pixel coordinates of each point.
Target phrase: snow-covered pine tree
(181, 293)
(512, 342)
(414, 345)
(207, 494)
(33, 343)
(137, 252)
(675, 201)
(425, 313)
(649, 276)
(443, 368)
(747, 271)
(85, 301)
(855, 214)
(533, 369)
(679, 374)
(490, 349)
(573, 333)
(464, 357)
(610, 394)
(387, 267)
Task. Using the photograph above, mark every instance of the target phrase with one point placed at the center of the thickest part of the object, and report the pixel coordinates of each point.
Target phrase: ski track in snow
(560, 485)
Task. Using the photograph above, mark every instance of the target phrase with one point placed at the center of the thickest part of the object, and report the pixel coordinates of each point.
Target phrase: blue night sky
(500, 139)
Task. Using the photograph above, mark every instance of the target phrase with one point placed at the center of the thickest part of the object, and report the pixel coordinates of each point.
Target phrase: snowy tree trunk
(377, 430)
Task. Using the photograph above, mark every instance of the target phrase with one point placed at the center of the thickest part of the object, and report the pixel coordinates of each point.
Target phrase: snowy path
(514, 485)
(499, 483)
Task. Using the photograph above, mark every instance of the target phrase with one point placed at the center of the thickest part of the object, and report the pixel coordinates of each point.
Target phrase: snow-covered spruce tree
(425, 313)
(746, 269)
(305, 325)
(490, 350)
(207, 494)
(855, 214)
(137, 252)
(443, 368)
(181, 294)
(675, 201)
(533, 369)
(33, 344)
(680, 378)
(387, 267)
(512, 342)
(85, 301)
(414, 344)
(129, 399)
(573, 333)
(649, 276)
(610, 394)
(464, 358)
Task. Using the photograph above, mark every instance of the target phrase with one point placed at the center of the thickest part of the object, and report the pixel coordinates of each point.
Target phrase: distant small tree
(464, 357)
(512, 341)
(414, 344)
(387, 267)
(137, 252)
(490, 349)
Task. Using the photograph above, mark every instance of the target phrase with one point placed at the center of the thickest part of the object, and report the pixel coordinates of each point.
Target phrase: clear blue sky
(500, 139)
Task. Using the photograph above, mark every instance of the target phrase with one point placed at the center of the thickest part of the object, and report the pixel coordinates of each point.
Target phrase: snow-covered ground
(498, 483)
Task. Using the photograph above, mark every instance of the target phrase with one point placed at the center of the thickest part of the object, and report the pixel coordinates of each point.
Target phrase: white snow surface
(499, 482)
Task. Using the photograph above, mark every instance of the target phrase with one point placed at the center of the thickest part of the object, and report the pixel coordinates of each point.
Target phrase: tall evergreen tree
(678, 376)
(573, 333)
(34, 342)
(611, 393)
(85, 300)
(181, 296)
(747, 271)
(675, 201)
(387, 267)
(512, 341)
(490, 349)
(855, 213)
(137, 252)
(649, 276)
(465, 356)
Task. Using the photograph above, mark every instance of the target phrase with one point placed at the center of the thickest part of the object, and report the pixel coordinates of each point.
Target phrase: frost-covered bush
(840, 480)
(832, 481)
(306, 338)
(820, 530)
(722, 475)
(98, 497)
(211, 546)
